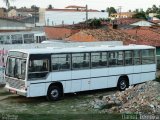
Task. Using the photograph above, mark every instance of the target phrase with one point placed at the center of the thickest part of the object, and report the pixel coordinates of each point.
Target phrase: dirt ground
(73, 106)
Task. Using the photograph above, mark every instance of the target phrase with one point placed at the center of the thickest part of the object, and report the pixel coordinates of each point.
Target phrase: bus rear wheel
(122, 83)
(54, 93)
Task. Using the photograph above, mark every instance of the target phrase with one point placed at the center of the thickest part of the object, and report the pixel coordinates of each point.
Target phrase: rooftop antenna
(86, 15)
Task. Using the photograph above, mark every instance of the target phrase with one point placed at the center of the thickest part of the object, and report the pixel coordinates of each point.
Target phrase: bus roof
(82, 49)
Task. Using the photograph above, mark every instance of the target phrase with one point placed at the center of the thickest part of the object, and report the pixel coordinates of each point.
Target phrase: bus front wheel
(122, 83)
(54, 93)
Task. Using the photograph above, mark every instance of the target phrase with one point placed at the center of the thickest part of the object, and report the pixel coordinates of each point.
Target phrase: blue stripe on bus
(93, 77)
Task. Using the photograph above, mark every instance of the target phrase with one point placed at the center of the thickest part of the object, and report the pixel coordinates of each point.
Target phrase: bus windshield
(16, 67)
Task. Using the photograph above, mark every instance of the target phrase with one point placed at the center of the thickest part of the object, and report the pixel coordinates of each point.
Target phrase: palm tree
(7, 3)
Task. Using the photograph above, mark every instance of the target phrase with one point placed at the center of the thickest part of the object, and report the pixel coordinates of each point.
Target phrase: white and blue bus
(52, 72)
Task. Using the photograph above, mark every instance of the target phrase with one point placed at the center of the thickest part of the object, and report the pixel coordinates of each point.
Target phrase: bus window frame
(40, 57)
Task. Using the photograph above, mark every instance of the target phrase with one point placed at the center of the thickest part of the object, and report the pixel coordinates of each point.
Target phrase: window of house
(28, 38)
(17, 39)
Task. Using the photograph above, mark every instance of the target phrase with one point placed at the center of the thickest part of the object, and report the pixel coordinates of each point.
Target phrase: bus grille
(18, 84)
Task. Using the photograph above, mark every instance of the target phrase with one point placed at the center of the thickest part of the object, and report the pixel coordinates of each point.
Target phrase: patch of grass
(65, 116)
(72, 107)
(158, 79)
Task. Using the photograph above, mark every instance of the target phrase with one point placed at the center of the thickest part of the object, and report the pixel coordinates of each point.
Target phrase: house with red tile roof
(128, 23)
(156, 22)
(21, 12)
(90, 35)
(59, 32)
(122, 15)
(148, 36)
(140, 35)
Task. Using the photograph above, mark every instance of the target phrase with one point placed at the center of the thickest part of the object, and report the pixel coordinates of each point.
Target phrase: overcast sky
(92, 4)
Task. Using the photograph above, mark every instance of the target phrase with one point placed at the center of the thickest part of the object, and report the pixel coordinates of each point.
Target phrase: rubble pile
(144, 98)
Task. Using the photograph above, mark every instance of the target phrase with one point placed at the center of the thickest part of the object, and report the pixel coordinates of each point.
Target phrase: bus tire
(122, 83)
(54, 93)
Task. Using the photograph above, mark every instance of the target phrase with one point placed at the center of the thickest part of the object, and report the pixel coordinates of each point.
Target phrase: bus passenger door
(38, 75)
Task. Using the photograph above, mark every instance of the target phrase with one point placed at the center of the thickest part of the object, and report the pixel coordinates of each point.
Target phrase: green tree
(149, 10)
(50, 7)
(7, 3)
(34, 7)
(111, 10)
(158, 10)
(154, 9)
(11, 7)
(158, 16)
(140, 15)
(95, 23)
(136, 11)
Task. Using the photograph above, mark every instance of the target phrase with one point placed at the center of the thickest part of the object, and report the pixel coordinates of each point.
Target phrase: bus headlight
(23, 88)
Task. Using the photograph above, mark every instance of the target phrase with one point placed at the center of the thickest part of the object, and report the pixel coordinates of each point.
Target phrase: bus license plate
(13, 91)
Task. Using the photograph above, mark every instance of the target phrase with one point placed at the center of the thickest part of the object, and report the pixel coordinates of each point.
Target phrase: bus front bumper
(15, 91)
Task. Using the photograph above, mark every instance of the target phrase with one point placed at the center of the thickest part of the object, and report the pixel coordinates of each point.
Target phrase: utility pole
(120, 10)
(34, 16)
(86, 15)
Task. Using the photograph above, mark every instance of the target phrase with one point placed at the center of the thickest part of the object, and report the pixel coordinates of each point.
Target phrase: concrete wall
(11, 25)
(2, 13)
(59, 17)
(12, 13)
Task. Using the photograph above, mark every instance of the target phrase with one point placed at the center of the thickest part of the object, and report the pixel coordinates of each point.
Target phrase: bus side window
(80, 60)
(99, 59)
(38, 68)
(128, 58)
(61, 62)
(31, 66)
(137, 57)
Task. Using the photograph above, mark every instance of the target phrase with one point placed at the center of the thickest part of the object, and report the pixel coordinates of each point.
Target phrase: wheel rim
(54, 93)
(122, 85)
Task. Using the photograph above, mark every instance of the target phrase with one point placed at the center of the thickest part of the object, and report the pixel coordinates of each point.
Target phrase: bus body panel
(99, 78)
(137, 74)
(38, 87)
(117, 71)
(147, 76)
(79, 78)
(61, 76)
(148, 68)
(76, 85)
(128, 70)
(86, 84)
(68, 86)
(148, 72)
(112, 81)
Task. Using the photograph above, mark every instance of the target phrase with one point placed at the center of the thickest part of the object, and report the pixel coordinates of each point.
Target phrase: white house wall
(56, 17)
